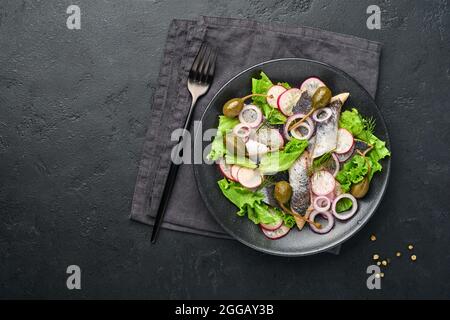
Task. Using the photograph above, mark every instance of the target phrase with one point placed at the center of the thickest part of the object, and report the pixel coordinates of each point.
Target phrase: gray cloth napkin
(241, 44)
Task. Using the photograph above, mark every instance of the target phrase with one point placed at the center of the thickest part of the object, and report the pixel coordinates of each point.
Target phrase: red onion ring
(319, 204)
(327, 215)
(296, 117)
(319, 111)
(297, 134)
(259, 116)
(242, 131)
(347, 214)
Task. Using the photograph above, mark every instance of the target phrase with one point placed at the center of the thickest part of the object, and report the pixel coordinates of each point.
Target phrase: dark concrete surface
(73, 112)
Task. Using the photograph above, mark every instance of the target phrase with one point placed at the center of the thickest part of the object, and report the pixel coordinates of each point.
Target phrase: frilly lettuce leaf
(251, 204)
(353, 171)
(361, 129)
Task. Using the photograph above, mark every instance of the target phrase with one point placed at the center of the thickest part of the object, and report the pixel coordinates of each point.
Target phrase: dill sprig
(369, 124)
(319, 162)
(268, 181)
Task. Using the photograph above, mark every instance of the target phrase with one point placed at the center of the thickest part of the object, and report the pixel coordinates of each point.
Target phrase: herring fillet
(304, 103)
(326, 131)
(299, 181)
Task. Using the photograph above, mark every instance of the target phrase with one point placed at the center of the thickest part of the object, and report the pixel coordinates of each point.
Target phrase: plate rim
(332, 244)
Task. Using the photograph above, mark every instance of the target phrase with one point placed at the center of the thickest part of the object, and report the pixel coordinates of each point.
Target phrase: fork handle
(171, 177)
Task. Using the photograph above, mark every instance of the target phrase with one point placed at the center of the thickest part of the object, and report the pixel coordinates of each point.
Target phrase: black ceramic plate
(296, 243)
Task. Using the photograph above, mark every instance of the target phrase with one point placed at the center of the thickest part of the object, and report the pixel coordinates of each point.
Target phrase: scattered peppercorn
(373, 238)
(398, 254)
(384, 263)
(413, 257)
(376, 257)
(410, 247)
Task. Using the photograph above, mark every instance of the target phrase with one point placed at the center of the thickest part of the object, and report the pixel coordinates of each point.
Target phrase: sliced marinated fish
(326, 131)
(299, 181)
(304, 104)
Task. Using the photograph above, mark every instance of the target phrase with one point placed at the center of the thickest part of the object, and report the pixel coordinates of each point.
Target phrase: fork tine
(211, 67)
(203, 65)
(195, 66)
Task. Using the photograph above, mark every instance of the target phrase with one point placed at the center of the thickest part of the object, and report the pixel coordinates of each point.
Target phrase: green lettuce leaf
(353, 171)
(352, 121)
(239, 195)
(288, 220)
(282, 160)
(250, 203)
(343, 205)
(262, 86)
(218, 149)
(378, 152)
(363, 129)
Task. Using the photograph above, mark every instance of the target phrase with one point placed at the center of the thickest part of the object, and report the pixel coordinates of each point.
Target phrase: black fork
(199, 81)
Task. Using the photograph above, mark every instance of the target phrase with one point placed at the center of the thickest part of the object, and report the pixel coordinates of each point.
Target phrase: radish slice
(293, 118)
(322, 183)
(255, 148)
(271, 138)
(287, 101)
(345, 141)
(273, 93)
(249, 178)
(251, 116)
(298, 133)
(311, 85)
(342, 157)
(327, 215)
(277, 233)
(234, 172)
(322, 204)
(225, 169)
(322, 115)
(347, 214)
(242, 131)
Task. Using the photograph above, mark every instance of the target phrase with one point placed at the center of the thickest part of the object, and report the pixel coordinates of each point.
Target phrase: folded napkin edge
(361, 43)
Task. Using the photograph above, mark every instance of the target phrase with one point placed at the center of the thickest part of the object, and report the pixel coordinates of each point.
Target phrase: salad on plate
(292, 157)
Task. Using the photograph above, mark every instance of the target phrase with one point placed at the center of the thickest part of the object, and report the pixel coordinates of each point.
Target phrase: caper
(235, 145)
(282, 191)
(321, 98)
(233, 107)
(360, 189)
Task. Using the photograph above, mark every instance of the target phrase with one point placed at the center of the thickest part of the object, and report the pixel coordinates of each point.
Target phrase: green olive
(233, 107)
(235, 145)
(282, 191)
(360, 189)
(321, 98)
